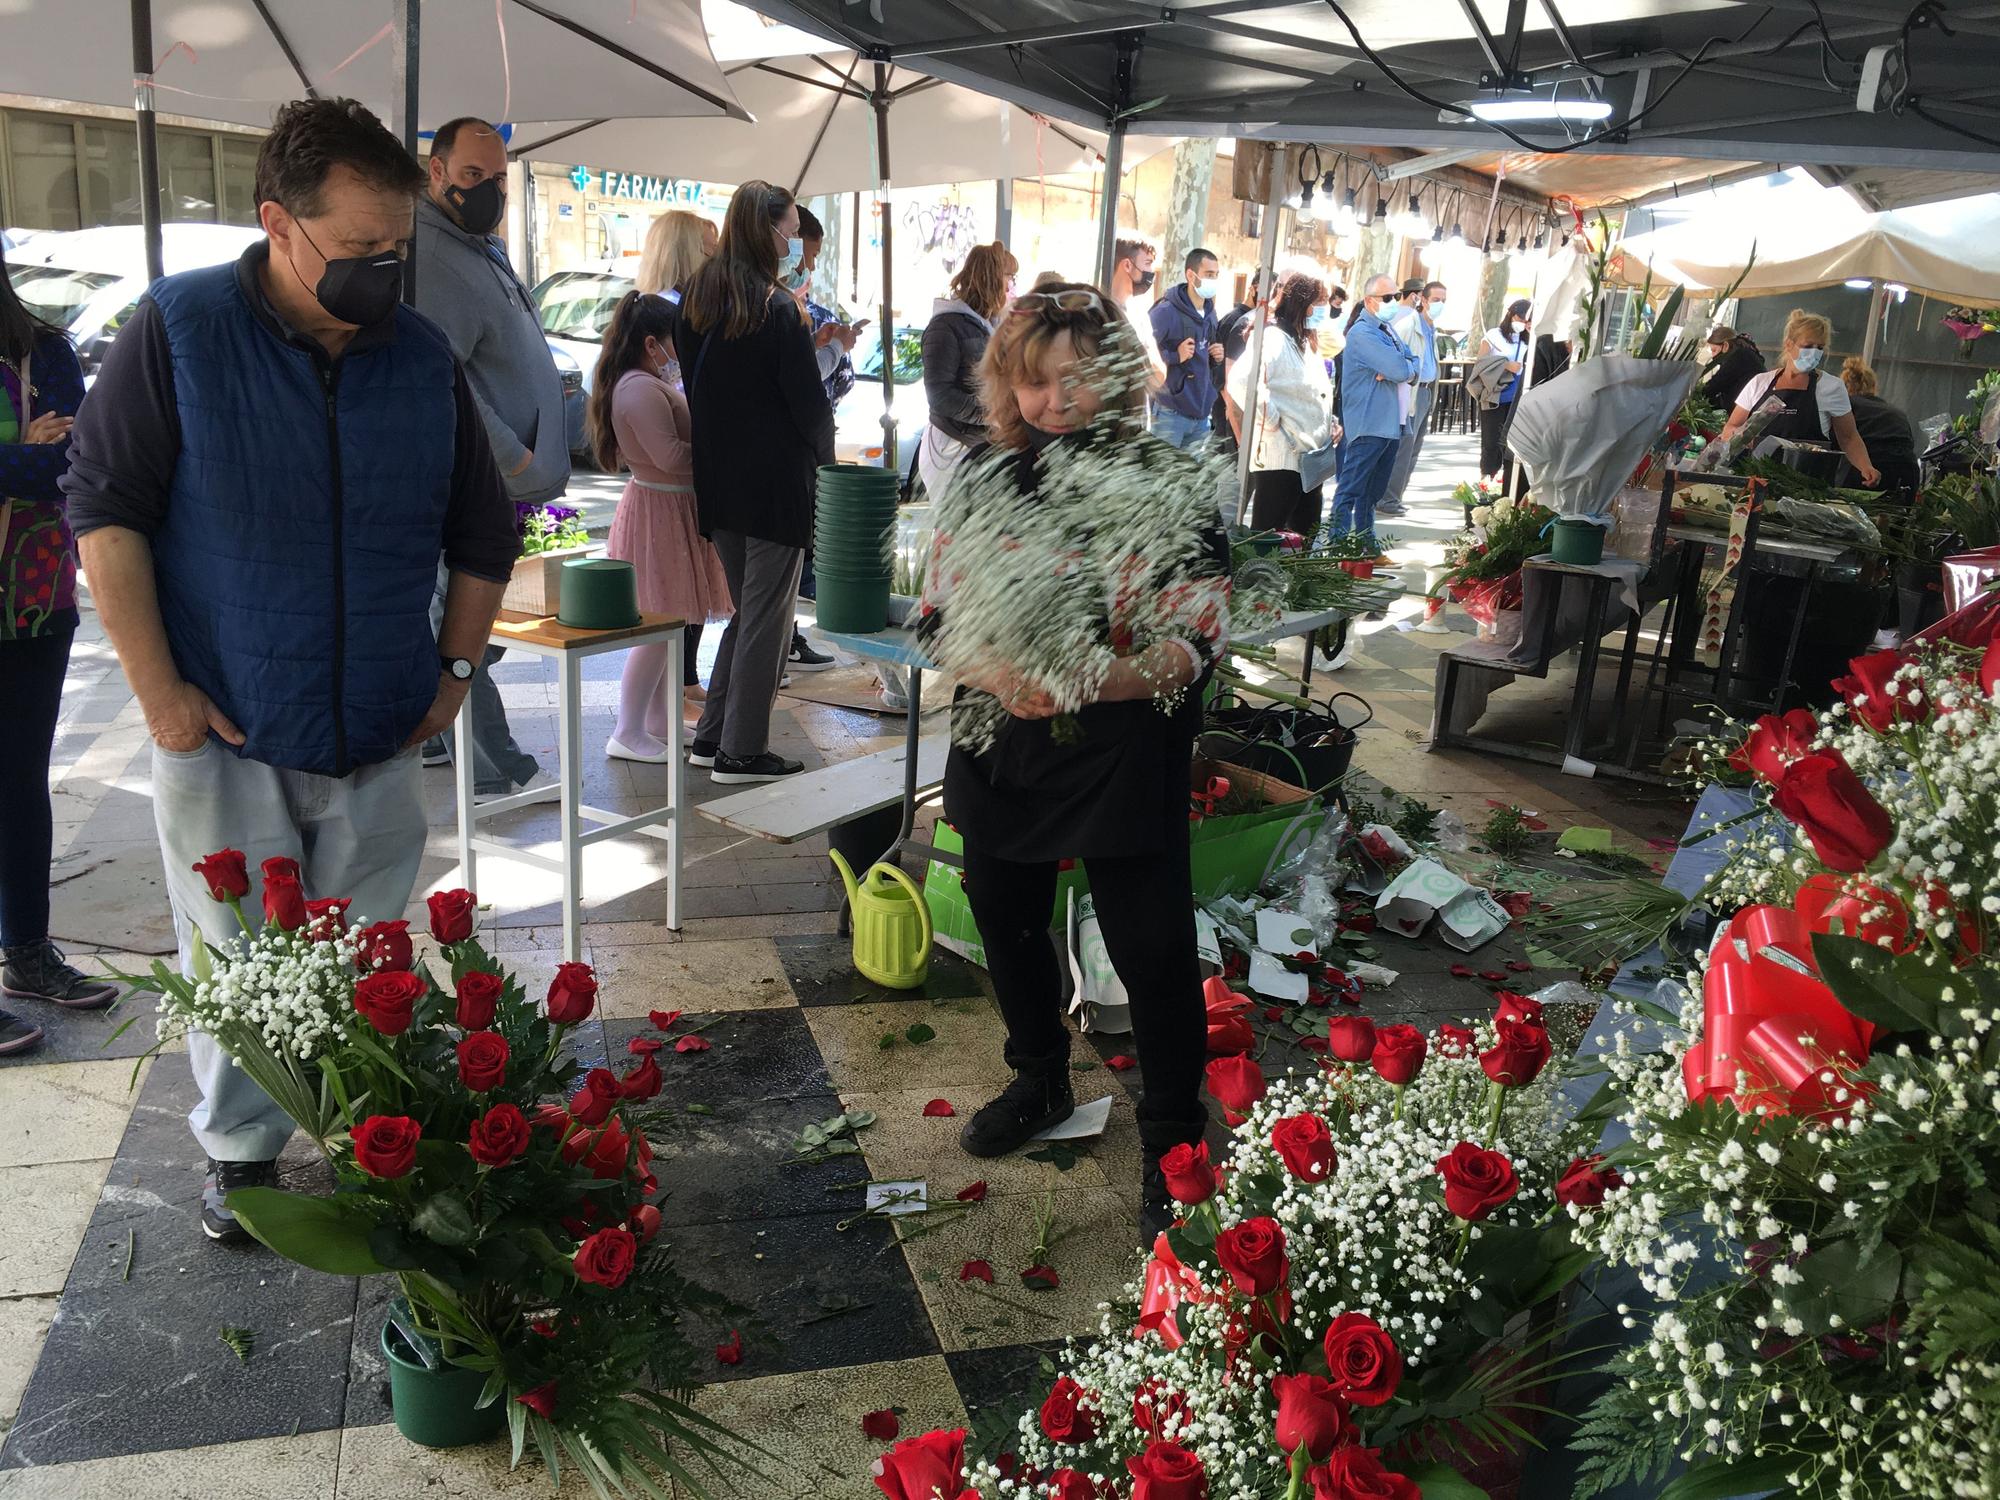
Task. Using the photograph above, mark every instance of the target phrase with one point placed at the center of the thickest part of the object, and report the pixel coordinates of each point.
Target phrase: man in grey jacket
(466, 287)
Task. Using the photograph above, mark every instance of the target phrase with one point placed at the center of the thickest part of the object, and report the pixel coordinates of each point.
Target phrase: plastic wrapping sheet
(1584, 432)
(1966, 575)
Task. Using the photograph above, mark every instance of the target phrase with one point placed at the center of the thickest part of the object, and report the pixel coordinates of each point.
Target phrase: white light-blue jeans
(360, 836)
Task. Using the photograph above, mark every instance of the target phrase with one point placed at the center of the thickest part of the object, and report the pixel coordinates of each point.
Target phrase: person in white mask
(1184, 331)
(1817, 406)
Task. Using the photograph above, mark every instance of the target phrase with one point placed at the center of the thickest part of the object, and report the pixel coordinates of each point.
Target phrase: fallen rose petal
(644, 1046)
(883, 1426)
(1305, 957)
(939, 1109)
(976, 1270)
(1519, 965)
(1350, 997)
(1665, 846)
(691, 1044)
(1493, 976)
(1040, 1279)
(730, 1353)
(1461, 971)
(1121, 1063)
(662, 1019)
(974, 1192)
(1274, 1013)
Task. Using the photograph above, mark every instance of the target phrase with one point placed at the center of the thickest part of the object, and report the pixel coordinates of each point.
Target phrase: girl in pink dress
(638, 419)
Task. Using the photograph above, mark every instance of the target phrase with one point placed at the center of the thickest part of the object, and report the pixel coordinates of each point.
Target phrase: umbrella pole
(1267, 260)
(149, 139)
(1878, 304)
(887, 328)
(1003, 210)
(406, 19)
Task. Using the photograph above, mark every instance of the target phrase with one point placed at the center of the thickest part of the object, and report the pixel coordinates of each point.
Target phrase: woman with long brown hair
(954, 343)
(761, 425)
(638, 420)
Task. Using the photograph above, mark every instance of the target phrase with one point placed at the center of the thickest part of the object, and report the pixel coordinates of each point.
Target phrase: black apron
(1800, 423)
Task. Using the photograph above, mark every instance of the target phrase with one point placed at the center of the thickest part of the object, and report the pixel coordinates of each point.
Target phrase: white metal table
(567, 646)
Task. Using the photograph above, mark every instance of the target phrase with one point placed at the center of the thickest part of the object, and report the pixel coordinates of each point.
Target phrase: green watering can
(892, 926)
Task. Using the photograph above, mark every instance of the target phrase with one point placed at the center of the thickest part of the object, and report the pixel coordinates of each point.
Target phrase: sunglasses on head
(1077, 300)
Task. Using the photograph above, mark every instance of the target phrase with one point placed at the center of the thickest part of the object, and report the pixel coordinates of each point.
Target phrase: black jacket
(1729, 374)
(1892, 447)
(954, 343)
(761, 425)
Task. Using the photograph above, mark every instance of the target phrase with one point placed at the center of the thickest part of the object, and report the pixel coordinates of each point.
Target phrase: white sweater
(1294, 409)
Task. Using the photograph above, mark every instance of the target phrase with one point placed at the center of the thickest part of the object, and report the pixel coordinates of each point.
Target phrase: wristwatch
(455, 667)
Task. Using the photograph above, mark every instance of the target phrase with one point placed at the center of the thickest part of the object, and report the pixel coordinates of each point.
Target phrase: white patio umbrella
(237, 60)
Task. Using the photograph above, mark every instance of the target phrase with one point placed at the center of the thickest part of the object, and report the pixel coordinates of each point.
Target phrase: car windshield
(56, 294)
(909, 355)
(579, 304)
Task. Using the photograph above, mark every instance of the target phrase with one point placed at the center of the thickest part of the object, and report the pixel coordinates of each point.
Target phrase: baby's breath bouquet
(1342, 1309)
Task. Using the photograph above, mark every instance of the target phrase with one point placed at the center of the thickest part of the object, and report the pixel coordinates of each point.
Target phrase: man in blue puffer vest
(1184, 328)
(274, 456)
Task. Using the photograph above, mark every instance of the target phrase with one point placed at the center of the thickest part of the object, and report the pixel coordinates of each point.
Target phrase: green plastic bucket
(853, 605)
(1578, 542)
(599, 593)
(438, 1408)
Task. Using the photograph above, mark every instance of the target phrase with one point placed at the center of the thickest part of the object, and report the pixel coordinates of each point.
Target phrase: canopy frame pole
(626, 54)
(1878, 305)
(285, 46)
(1122, 75)
(149, 138)
(886, 330)
(1003, 210)
(405, 56)
(1267, 262)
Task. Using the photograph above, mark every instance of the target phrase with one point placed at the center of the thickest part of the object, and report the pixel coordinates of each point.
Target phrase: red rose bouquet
(1336, 1312)
(520, 1230)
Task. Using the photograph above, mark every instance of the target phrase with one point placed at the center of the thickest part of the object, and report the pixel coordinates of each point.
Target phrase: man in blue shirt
(1374, 364)
(1417, 323)
(1184, 328)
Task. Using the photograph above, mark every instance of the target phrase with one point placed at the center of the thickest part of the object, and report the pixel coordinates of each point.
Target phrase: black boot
(1156, 1204)
(1035, 1100)
(38, 971)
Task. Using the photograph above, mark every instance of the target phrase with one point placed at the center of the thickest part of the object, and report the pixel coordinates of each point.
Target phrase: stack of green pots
(854, 531)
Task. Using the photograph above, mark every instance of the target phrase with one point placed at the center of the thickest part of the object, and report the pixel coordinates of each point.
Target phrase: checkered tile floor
(111, 1368)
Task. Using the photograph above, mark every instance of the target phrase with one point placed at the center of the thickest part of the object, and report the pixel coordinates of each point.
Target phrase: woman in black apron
(1817, 406)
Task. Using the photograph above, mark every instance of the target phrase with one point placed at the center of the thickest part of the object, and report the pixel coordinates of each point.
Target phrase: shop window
(42, 161)
(187, 177)
(110, 173)
(239, 179)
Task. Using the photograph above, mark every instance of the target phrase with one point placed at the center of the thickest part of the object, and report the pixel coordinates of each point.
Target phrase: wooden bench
(788, 811)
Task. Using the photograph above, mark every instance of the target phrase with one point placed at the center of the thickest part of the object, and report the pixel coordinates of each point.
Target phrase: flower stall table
(567, 646)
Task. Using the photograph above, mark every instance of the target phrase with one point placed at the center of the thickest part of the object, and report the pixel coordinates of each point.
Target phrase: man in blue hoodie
(1374, 366)
(1184, 328)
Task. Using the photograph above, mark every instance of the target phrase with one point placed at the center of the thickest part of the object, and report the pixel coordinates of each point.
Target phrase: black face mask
(360, 290)
(1141, 280)
(478, 207)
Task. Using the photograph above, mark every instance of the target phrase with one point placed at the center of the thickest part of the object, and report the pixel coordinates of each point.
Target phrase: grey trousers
(1421, 406)
(498, 764)
(360, 836)
(763, 580)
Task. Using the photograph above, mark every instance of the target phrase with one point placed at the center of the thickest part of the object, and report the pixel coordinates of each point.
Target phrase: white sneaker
(616, 749)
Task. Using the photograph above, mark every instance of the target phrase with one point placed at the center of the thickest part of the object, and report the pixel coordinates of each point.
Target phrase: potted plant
(1483, 563)
(520, 1230)
(1345, 1307)
(551, 534)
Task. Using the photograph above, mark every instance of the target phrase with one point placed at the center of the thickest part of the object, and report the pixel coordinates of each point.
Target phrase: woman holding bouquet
(1078, 590)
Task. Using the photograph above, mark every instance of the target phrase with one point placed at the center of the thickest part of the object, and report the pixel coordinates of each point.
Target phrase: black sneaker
(1389, 508)
(1027, 1106)
(702, 752)
(224, 1177)
(1156, 1204)
(766, 767)
(37, 971)
(17, 1035)
(434, 753)
(804, 659)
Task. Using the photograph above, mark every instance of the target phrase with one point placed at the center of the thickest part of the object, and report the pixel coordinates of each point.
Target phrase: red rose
(1068, 1484)
(1863, 911)
(478, 997)
(1513, 1007)
(1476, 1181)
(1874, 699)
(1068, 1415)
(882, 1426)
(591, 1103)
(1454, 1041)
(281, 867)
(226, 872)
(498, 1136)
(452, 914)
(482, 1061)
(1775, 742)
(1847, 826)
(1585, 1181)
(1229, 1035)
(1356, 1473)
(605, 1259)
(1237, 1084)
(551, 1117)
(1365, 1363)
(1399, 1053)
(1253, 1253)
(972, 1192)
(1305, 1146)
(326, 920)
(1351, 1038)
(1519, 1052)
(1167, 1471)
(386, 945)
(572, 993)
(1157, 1410)
(644, 1222)
(605, 1152)
(1310, 1413)
(541, 1399)
(1189, 1176)
(920, 1468)
(663, 1019)
(730, 1353)
(386, 1001)
(641, 1080)
(284, 901)
(386, 1145)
